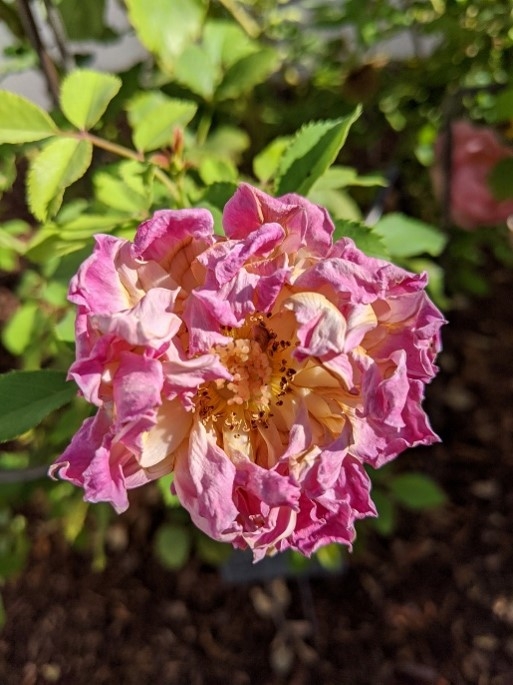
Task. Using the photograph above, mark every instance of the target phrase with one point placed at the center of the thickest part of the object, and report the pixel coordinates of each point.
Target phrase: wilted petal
(97, 285)
(150, 322)
(169, 227)
(204, 479)
(93, 462)
(321, 328)
(162, 441)
(137, 385)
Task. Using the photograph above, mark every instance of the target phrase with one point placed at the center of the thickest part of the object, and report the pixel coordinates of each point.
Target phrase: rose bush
(475, 151)
(263, 368)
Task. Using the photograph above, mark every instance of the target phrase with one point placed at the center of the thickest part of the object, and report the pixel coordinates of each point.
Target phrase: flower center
(261, 373)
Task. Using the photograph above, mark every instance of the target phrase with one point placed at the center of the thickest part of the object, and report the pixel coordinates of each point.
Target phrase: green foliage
(503, 110)
(364, 237)
(210, 551)
(265, 164)
(247, 73)
(404, 237)
(85, 95)
(331, 557)
(172, 546)
(19, 329)
(7, 171)
(501, 179)
(61, 162)
(27, 397)
(84, 20)
(413, 490)
(164, 486)
(123, 187)
(166, 28)
(154, 116)
(312, 151)
(386, 520)
(14, 543)
(416, 491)
(224, 64)
(21, 121)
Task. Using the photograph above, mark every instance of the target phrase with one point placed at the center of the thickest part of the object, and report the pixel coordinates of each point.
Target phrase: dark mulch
(433, 605)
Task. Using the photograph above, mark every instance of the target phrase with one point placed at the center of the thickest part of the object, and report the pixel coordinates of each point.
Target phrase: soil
(431, 605)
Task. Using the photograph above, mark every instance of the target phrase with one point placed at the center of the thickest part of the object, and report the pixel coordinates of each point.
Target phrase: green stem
(107, 145)
(126, 153)
(204, 127)
(168, 183)
(242, 17)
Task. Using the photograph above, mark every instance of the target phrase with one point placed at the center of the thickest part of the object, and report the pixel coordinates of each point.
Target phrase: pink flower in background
(264, 368)
(476, 150)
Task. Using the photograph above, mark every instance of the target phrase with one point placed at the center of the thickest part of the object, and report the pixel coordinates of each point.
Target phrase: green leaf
(385, 522)
(247, 73)
(7, 171)
(500, 179)
(337, 177)
(266, 163)
(164, 486)
(213, 170)
(153, 117)
(224, 142)
(314, 148)
(122, 187)
(195, 70)
(88, 224)
(407, 237)
(65, 329)
(339, 203)
(18, 331)
(226, 43)
(83, 20)
(330, 557)
(14, 544)
(62, 162)
(417, 491)
(85, 95)
(218, 194)
(503, 110)
(74, 518)
(27, 397)
(21, 121)
(166, 28)
(211, 551)
(436, 279)
(172, 546)
(364, 237)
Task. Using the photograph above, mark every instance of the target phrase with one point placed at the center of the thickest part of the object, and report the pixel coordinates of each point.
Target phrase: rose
(264, 368)
(475, 151)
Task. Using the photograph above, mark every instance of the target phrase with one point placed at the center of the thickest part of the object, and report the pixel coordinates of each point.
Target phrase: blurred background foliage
(217, 94)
